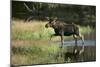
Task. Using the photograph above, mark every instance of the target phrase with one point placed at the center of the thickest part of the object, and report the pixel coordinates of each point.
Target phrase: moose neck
(55, 26)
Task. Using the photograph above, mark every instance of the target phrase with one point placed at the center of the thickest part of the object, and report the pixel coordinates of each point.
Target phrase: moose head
(52, 22)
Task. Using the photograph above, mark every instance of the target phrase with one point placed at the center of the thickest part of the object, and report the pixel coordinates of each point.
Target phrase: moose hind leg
(82, 38)
(75, 40)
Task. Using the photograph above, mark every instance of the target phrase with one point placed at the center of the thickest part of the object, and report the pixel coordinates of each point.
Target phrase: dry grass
(30, 30)
(36, 30)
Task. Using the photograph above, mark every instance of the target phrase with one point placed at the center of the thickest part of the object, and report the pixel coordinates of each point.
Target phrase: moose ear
(47, 18)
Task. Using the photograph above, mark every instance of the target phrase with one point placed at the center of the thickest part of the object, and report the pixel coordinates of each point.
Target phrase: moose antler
(27, 7)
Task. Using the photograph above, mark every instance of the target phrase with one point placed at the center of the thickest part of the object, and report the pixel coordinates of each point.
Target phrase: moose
(63, 29)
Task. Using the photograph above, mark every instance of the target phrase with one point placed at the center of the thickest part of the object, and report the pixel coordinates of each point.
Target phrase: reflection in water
(88, 54)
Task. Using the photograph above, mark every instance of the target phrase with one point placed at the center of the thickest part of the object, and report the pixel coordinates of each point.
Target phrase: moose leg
(75, 40)
(75, 47)
(82, 38)
(62, 41)
(81, 52)
(62, 46)
(52, 36)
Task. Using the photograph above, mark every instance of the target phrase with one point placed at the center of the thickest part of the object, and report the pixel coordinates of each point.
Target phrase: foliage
(80, 14)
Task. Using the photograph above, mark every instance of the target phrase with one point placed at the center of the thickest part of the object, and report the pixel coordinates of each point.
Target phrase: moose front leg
(52, 36)
(62, 41)
(62, 46)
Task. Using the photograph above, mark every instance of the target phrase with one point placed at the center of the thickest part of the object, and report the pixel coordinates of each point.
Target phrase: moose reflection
(63, 29)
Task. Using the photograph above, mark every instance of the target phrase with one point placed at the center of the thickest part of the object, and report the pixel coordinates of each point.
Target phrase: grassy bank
(33, 52)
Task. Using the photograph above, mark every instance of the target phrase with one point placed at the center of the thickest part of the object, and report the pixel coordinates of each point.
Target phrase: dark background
(79, 14)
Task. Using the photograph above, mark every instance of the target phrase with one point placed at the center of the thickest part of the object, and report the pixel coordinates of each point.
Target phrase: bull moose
(63, 29)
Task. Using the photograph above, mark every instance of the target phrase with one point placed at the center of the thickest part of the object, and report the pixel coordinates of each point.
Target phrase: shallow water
(79, 43)
(89, 40)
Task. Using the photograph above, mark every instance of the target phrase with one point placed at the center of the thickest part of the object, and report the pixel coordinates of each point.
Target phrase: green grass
(39, 52)
(86, 29)
(36, 30)
(30, 30)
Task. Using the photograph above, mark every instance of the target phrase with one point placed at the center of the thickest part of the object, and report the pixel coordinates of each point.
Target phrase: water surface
(79, 43)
